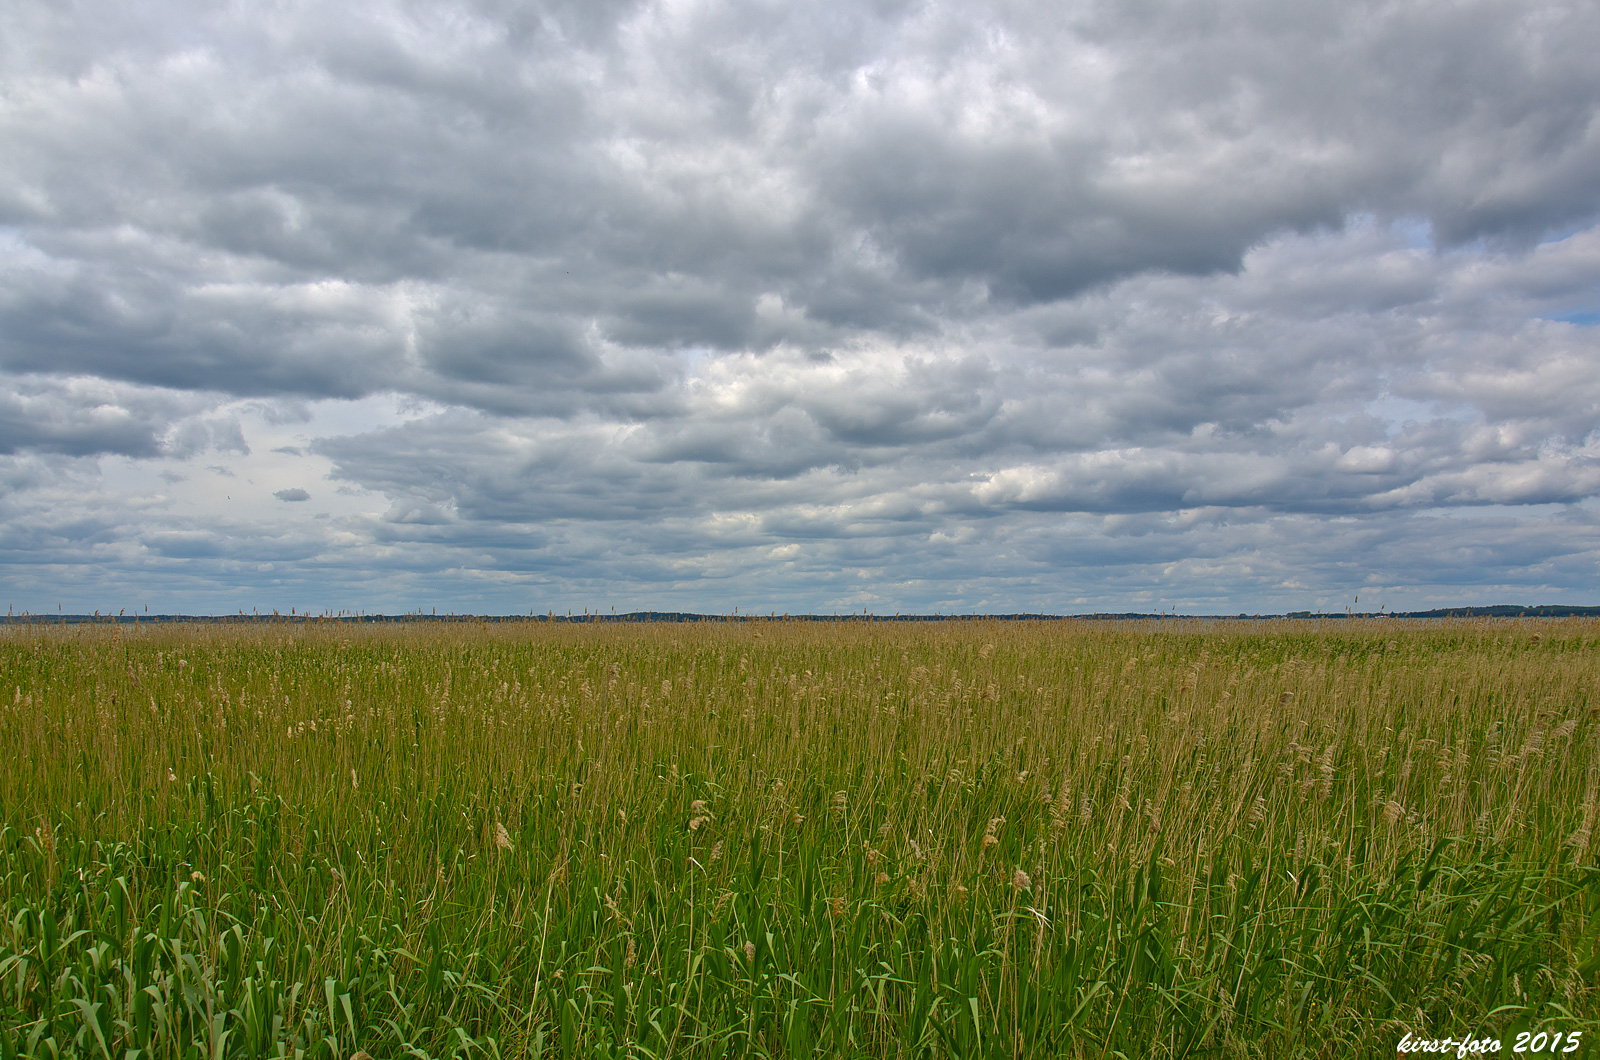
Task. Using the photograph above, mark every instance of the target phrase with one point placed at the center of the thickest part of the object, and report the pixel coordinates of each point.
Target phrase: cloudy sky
(1214, 306)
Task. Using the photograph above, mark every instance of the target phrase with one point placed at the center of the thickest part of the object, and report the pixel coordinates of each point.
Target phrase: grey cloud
(676, 313)
(469, 344)
(847, 300)
(244, 339)
(85, 417)
(73, 429)
(1183, 404)
(414, 163)
(416, 513)
(925, 403)
(295, 494)
(1477, 117)
(219, 433)
(179, 544)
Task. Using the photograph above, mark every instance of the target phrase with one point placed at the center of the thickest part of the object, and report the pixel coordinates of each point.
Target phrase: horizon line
(670, 617)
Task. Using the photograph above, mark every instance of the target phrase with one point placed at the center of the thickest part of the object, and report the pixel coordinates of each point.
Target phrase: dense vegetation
(773, 839)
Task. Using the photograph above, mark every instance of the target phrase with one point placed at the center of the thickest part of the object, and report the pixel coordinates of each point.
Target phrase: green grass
(774, 839)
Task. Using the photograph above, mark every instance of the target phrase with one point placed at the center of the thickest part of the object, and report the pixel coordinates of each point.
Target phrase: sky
(1216, 306)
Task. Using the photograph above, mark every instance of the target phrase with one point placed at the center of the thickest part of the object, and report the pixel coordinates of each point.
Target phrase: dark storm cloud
(903, 302)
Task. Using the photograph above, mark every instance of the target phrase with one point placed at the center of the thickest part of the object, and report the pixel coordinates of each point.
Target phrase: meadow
(769, 838)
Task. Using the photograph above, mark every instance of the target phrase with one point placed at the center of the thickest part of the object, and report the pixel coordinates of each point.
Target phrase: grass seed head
(989, 837)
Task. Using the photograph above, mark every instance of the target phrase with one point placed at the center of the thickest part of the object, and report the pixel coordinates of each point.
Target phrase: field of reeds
(750, 839)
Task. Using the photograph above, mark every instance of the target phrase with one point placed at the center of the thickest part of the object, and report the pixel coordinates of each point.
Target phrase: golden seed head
(696, 822)
(502, 838)
(749, 951)
(697, 806)
(1021, 881)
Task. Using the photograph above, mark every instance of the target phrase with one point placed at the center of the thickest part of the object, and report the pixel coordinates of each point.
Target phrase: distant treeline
(1492, 611)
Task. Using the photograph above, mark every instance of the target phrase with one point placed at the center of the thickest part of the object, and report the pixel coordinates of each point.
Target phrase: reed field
(770, 838)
